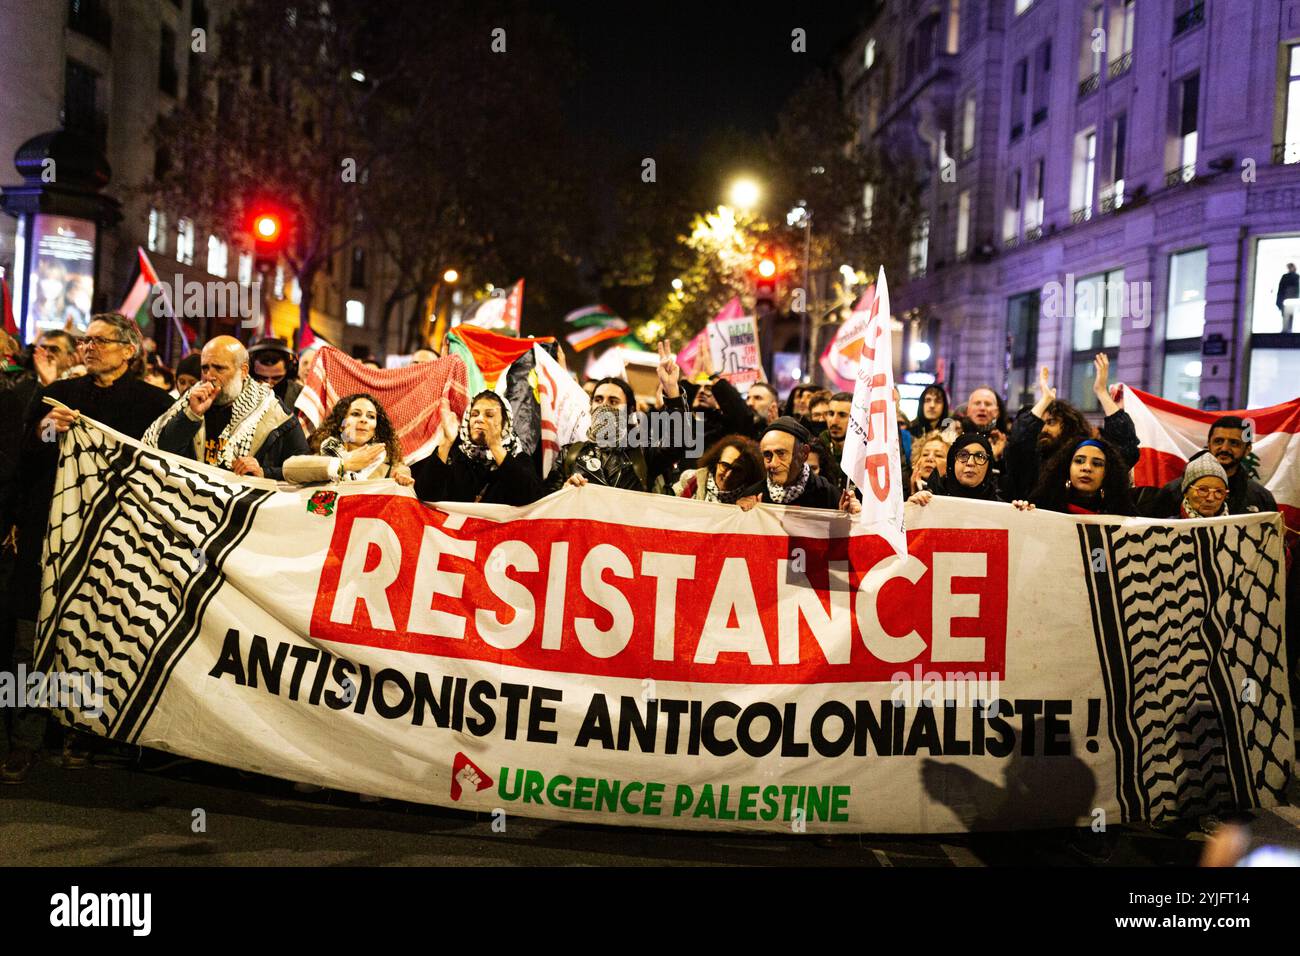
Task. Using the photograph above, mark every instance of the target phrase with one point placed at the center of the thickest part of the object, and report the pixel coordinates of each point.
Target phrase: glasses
(978, 457)
(100, 342)
(724, 466)
(53, 349)
(1214, 494)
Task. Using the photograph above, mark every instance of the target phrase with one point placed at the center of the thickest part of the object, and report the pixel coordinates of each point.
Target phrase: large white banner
(613, 657)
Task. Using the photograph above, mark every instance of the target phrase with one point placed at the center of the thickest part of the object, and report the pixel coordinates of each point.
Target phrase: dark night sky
(649, 71)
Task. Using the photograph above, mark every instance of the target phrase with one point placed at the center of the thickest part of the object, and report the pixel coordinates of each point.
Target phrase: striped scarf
(236, 439)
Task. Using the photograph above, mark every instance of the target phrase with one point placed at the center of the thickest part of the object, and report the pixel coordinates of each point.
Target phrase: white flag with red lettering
(565, 408)
(1169, 434)
(871, 457)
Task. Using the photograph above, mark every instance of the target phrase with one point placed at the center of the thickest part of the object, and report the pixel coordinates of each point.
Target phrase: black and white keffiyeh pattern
(481, 453)
(780, 494)
(236, 439)
(714, 493)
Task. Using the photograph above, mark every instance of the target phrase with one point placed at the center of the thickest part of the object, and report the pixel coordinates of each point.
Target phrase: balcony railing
(1089, 86)
(1284, 154)
(1012, 243)
(1183, 174)
(1080, 215)
(1111, 200)
(1194, 17)
(1034, 234)
(89, 18)
(1120, 66)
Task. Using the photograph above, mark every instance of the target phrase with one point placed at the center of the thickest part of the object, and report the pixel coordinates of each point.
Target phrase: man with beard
(1227, 443)
(606, 457)
(229, 419)
(274, 367)
(1052, 424)
(790, 480)
(479, 458)
(111, 393)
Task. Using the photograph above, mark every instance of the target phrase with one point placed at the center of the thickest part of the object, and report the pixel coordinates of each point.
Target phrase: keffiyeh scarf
(481, 453)
(254, 401)
(780, 494)
(713, 493)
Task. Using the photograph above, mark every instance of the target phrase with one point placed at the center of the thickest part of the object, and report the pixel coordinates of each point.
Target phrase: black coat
(281, 444)
(459, 478)
(817, 493)
(1022, 465)
(1245, 496)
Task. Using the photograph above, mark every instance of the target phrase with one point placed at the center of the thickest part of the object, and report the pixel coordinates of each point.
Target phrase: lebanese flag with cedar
(1169, 434)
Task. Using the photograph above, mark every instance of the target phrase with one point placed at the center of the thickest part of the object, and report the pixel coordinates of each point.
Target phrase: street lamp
(744, 193)
(450, 276)
(801, 215)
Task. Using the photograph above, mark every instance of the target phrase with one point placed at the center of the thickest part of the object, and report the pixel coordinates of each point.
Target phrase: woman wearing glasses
(1085, 478)
(1205, 489)
(727, 469)
(969, 474)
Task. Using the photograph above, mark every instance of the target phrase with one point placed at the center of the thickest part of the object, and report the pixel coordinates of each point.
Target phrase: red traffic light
(266, 227)
(767, 268)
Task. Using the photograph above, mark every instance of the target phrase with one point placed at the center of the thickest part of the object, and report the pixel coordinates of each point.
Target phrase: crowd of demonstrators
(355, 442)
(1227, 441)
(479, 458)
(1087, 477)
(229, 419)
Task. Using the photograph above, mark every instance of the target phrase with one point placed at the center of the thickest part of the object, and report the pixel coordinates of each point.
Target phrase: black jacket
(737, 417)
(459, 478)
(281, 444)
(1022, 464)
(817, 493)
(1245, 496)
(635, 469)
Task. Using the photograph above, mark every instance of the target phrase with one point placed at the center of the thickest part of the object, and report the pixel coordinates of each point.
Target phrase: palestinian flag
(487, 354)
(138, 298)
(593, 324)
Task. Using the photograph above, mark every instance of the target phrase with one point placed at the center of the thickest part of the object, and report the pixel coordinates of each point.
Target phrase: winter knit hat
(1203, 466)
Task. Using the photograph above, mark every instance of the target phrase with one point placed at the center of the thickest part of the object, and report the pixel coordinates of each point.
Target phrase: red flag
(10, 325)
(514, 313)
(411, 396)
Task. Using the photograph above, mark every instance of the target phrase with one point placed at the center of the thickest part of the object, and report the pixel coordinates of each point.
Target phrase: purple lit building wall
(1072, 148)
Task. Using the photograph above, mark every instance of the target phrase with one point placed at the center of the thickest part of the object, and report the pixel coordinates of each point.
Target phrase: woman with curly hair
(726, 470)
(1085, 478)
(355, 442)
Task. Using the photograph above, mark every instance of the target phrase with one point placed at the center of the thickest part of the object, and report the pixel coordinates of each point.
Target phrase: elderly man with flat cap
(230, 419)
(790, 480)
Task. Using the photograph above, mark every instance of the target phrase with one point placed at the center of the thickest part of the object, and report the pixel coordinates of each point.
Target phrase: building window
(1034, 207)
(1019, 89)
(358, 280)
(1275, 302)
(869, 55)
(1121, 28)
(1185, 315)
(90, 18)
(1042, 81)
(167, 60)
(1112, 197)
(968, 125)
(1011, 212)
(245, 268)
(1188, 93)
(1094, 42)
(1181, 382)
(1188, 14)
(919, 249)
(185, 241)
(355, 313)
(963, 224)
(217, 257)
(954, 26)
(1288, 151)
(1273, 374)
(1085, 176)
(1022, 347)
(157, 231)
(81, 103)
(1100, 302)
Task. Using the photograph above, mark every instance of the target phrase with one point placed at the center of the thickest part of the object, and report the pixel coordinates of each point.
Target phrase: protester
(929, 461)
(723, 411)
(726, 470)
(819, 403)
(111, 393)
(796, 403)
(229, 420)
(479, 458)
(607, 456)
(188, 374)
(1227, 442)
(160, 376)
(1086, 479)
(763, 402)
(355, 442)
(789, 479)
(274, 367)
(837, 422)
(55, 356)
(931, 411)
(968, 473)
(1051, 424)
(1205, 488)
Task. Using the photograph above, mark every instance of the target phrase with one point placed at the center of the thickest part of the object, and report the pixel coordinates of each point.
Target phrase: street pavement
(121, 814)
